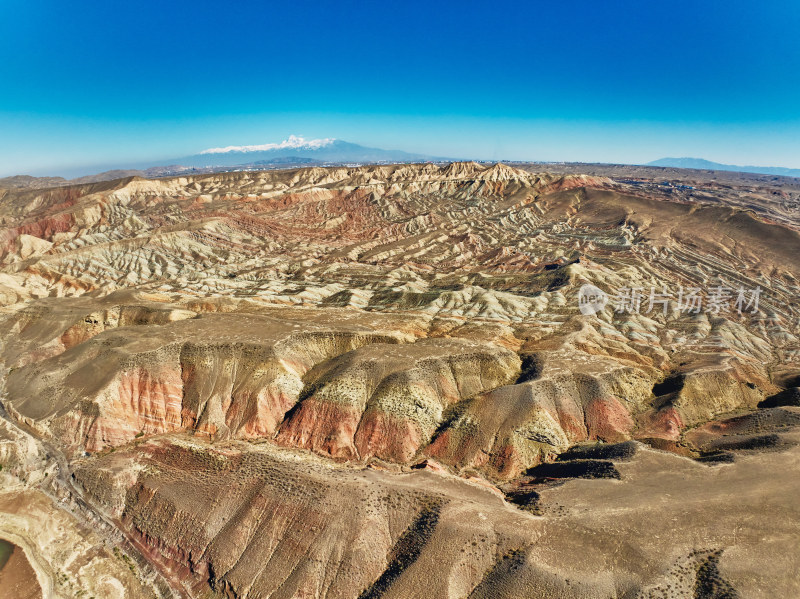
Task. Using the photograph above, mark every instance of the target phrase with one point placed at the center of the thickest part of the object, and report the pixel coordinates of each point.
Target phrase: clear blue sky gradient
(87, 84)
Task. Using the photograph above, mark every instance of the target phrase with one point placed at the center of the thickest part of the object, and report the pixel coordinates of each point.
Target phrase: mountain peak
(325, 150)
(293, 142)
(703, 164)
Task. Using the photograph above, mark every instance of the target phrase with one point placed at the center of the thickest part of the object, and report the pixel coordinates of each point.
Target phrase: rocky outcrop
(220, 375)
(513, 428)
(387, 400)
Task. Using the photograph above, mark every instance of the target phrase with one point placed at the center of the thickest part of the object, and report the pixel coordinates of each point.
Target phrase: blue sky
(95, 84)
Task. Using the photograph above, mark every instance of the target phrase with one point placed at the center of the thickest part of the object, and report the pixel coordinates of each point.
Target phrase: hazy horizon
(624, 84)
(76, 171)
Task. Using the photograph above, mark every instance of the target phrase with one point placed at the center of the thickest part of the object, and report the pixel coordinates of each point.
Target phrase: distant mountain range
(700, 163)
(301, 150)
(29, 182)
(292, 152)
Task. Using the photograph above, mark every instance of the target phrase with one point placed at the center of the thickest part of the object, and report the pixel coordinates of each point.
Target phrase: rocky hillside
(315, 383)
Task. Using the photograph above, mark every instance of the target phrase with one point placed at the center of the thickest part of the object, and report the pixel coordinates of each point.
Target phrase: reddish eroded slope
(387, 400)
(219, 374)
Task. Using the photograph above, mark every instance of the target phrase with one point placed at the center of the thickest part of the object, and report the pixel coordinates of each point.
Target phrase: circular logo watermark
(591, 299)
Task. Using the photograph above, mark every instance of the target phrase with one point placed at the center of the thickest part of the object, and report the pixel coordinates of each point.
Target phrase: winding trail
(67, 496)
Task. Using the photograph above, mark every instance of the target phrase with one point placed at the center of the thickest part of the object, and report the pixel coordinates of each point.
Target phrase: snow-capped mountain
(321, 150)
(293, 142)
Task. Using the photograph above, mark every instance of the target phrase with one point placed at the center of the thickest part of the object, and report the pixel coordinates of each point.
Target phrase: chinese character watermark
(690, 300)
